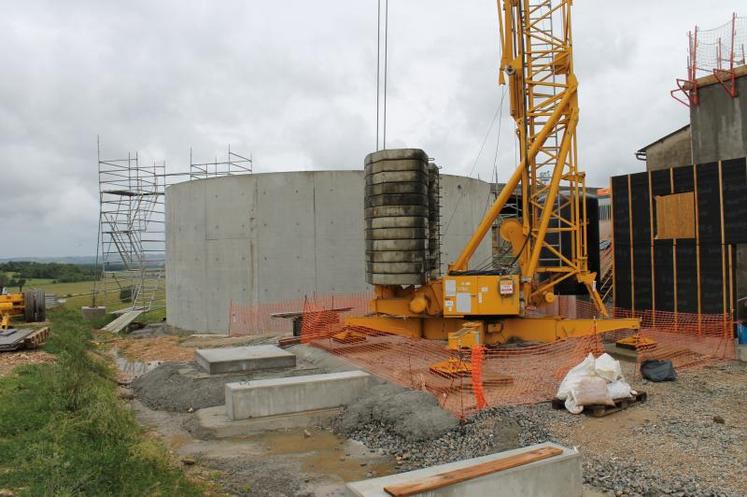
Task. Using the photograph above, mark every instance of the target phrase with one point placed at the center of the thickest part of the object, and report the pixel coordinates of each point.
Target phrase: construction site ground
(11, 360)
(688, 439)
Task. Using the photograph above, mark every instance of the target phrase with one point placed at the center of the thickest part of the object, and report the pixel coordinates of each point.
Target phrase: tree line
(61, 273)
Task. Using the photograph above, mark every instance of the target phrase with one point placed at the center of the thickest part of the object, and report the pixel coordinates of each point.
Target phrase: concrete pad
(258, 398)
(249, 358)
(742, 353)
(212, 422)
(558, 476)
(620, 352)
(92, 313)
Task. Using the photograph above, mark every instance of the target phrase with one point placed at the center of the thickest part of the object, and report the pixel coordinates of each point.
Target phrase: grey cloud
(293, 82)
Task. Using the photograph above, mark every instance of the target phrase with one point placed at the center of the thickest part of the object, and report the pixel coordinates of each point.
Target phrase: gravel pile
(484, 434)
(689, 439)
(183, 387)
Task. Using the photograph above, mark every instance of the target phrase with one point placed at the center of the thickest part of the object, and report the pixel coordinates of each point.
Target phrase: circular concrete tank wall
(265, 238)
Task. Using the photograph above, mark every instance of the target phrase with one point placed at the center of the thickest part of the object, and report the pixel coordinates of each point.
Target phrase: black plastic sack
(656, 370)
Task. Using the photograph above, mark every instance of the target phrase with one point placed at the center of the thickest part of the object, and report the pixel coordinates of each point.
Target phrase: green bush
(63, 273)
(64, 432)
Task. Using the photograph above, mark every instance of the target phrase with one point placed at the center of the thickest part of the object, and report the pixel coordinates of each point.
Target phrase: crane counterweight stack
(548, 239)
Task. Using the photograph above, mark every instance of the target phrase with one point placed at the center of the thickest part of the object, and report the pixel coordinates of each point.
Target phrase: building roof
(642, 150)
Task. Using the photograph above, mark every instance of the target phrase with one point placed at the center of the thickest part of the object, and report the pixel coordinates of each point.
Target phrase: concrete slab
(258, 398)
(620, 353)
(212, 422)
(249, 358)
(558, 476)
(742, 353)
(92, 313)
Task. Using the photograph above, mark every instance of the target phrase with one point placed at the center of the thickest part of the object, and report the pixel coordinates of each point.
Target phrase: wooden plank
(675, 216)
(712, 80)
(459, 475)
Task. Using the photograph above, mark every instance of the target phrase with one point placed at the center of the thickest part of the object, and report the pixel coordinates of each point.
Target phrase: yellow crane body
(29, 304)
(468, 307)
(11, 305)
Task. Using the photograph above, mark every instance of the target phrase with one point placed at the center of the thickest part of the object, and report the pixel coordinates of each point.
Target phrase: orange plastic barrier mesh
(687, 339)
(462, 381)
(277, 317)
(478, 354)
(469, 380)
(466, 381)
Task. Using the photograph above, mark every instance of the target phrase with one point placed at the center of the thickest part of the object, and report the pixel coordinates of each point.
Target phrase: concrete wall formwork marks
(719, 126)
(266, 238)
(671, 151)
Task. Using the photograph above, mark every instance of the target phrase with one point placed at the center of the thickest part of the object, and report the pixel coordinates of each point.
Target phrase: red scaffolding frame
(713, 55)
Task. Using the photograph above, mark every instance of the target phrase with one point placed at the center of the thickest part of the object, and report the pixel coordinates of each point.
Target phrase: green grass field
(79, 294)
(64, 432)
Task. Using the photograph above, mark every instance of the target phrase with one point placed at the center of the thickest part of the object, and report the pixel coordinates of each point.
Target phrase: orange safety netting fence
(469, 380)
(278, 317)
(462, 381)
(687, 339)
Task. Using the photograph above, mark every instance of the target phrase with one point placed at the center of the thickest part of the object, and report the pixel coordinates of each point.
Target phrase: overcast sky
(293, 83)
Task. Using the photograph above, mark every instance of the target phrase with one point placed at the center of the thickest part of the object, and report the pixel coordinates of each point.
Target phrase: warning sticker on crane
(506, 287)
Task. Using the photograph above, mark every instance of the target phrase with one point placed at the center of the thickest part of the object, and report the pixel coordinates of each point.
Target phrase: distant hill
(60, 260)
(83, 260)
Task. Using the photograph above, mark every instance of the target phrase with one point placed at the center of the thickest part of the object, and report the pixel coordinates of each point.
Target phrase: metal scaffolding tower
(131, 244)
(233, 165)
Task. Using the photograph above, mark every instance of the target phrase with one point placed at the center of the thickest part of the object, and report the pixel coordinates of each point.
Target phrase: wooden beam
(674, 256)
(460, 475)
(712, 80)
(651, 242)
(632, 248)
(697, 246)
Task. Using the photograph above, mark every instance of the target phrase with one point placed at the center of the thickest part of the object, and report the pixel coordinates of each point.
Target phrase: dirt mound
(179, 387)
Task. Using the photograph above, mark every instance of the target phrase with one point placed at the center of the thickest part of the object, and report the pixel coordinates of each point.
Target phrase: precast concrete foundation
(259, 398)
(557, 476)
(237, 359)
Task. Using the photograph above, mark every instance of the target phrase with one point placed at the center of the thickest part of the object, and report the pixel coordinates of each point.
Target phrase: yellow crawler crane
(491, 307)
(30, 305)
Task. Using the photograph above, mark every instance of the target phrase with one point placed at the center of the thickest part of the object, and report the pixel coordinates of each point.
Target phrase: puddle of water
(327, 454)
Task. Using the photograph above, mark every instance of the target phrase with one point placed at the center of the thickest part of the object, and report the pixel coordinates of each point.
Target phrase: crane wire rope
(378, 70)
(381, 97)
(496, 115)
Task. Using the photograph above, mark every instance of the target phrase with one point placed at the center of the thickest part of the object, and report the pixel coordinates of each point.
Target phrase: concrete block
(742, 353)
(558, 476)
(257, 398)
(93, 313)
(212, 422)
(237, 359)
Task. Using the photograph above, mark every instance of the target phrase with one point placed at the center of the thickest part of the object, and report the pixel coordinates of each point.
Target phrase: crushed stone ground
(688, 440)
(675, 444)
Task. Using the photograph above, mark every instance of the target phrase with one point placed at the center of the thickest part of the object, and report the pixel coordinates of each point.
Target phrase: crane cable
(381, 112)
(496, 117)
